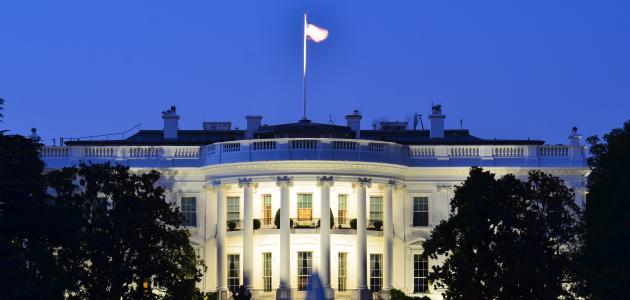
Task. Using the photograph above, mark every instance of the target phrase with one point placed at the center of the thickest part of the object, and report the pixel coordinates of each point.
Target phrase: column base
(363, 294)
(386, 294)
(284, 293)
(222, 295)
(329, 294)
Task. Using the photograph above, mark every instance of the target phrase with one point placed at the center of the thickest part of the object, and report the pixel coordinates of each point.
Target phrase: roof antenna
(461, 124)
(330, 120)
(417, 117)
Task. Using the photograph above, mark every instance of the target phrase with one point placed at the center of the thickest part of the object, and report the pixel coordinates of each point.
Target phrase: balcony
(319, 149)
(234, 225)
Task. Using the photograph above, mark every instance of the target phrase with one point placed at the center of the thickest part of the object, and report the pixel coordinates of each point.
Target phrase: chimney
(171, 120)
(437, 122)
(354, 122)
(253, 123)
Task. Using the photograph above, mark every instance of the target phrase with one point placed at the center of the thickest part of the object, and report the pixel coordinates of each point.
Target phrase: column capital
(325, 181)
(214, 184)
(364, 182)
(394, 184)
(245, 182)
(284, 181)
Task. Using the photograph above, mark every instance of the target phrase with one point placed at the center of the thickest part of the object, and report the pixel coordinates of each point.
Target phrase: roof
(305, 129)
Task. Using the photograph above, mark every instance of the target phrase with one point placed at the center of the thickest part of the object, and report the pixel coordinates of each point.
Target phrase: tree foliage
(28, 269)
(607, 217)
(507, 239)
(126, 235)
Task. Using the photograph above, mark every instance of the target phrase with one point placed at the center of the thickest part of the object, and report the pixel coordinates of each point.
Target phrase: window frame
(267, 272)
(420, 274)
(231, 279)
(304, 213)
(419, 211)
(379, 278)
(342, 214)
(304, 272)
(376, 215)
(342, 271)
(228, 206)
(267, 202)
(194, 212)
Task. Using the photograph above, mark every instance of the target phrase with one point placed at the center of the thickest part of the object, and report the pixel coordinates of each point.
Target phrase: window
(343, 271)
(376, 272)
(189, 210)
(233, 209)
(234, 272)
(305, 207)
(420, 211)
(376, 208)
(342, 210)
(266, 199)
(267, 271)
(304, 270)
(420, 274)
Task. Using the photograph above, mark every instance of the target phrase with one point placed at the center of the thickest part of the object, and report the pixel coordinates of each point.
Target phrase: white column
(325, 183)
(388, 235)
(284, 290)
(221, 241)
(362, 185)
(248, 230)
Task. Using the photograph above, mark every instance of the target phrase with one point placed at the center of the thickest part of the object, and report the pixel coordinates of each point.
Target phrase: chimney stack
(437, 122)
(34, 137)
(575, 137)
(171, 123)
(253, 123)
(354, 122)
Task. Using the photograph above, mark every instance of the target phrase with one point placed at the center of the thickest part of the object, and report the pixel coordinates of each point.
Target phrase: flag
(317, 34)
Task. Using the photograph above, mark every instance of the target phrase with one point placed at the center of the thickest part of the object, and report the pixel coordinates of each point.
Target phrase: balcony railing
(342, 223)
(375, 225)
(305, 223)
(319, 149)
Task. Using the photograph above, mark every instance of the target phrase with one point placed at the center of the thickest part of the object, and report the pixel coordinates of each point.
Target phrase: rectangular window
(420, 274)
(304, 270)
(376, 272)
(343, 271)
(234, 272)
(233, 209)
(267, 271)
(266, 219)
(420, 211)
(376, 208)
(342, 210)
(305, 207)
(189, 210)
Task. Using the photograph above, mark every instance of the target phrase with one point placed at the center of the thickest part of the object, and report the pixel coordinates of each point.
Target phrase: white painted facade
(324, 168)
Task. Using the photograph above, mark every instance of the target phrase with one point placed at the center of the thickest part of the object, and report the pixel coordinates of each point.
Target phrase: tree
(129, 241)
(607, 217)
(507, 239)
(28, 268)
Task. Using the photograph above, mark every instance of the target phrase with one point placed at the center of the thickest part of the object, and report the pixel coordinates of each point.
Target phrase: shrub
(395, 294)
(332, 220)
(353, 223)
(231, 225)
(276, 220)
(256, 224)
(378, 224)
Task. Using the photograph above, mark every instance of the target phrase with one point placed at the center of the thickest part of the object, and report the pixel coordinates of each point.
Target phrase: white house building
(272, 204)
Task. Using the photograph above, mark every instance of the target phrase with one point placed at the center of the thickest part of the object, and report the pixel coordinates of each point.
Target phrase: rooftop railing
(320, 149)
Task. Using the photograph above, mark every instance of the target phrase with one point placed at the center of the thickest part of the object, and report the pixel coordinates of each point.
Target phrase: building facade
(269, 206)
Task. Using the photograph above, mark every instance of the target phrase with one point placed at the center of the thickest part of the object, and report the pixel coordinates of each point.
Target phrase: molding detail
(364, 182)
(325, 181)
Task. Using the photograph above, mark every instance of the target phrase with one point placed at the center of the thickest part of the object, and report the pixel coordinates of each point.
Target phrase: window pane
(342, 211)
(267, 210)
(233, 209)
(376, 273)
(420, 211)
(234, 272)
(305, 207)
(304, 270)
(343, 271)
(267, 271)
(189, 210)
(420, 274)
(376, 208)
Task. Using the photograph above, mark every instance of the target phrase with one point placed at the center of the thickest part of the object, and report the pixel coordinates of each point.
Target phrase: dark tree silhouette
(27, 265)
(129, 242)
(1, 109)
(507, 239)
(607, 217)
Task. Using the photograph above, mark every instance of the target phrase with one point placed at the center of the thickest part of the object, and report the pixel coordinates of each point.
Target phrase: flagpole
(304, 74)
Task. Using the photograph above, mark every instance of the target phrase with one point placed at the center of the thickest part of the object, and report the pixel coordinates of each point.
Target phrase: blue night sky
(509, 69)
